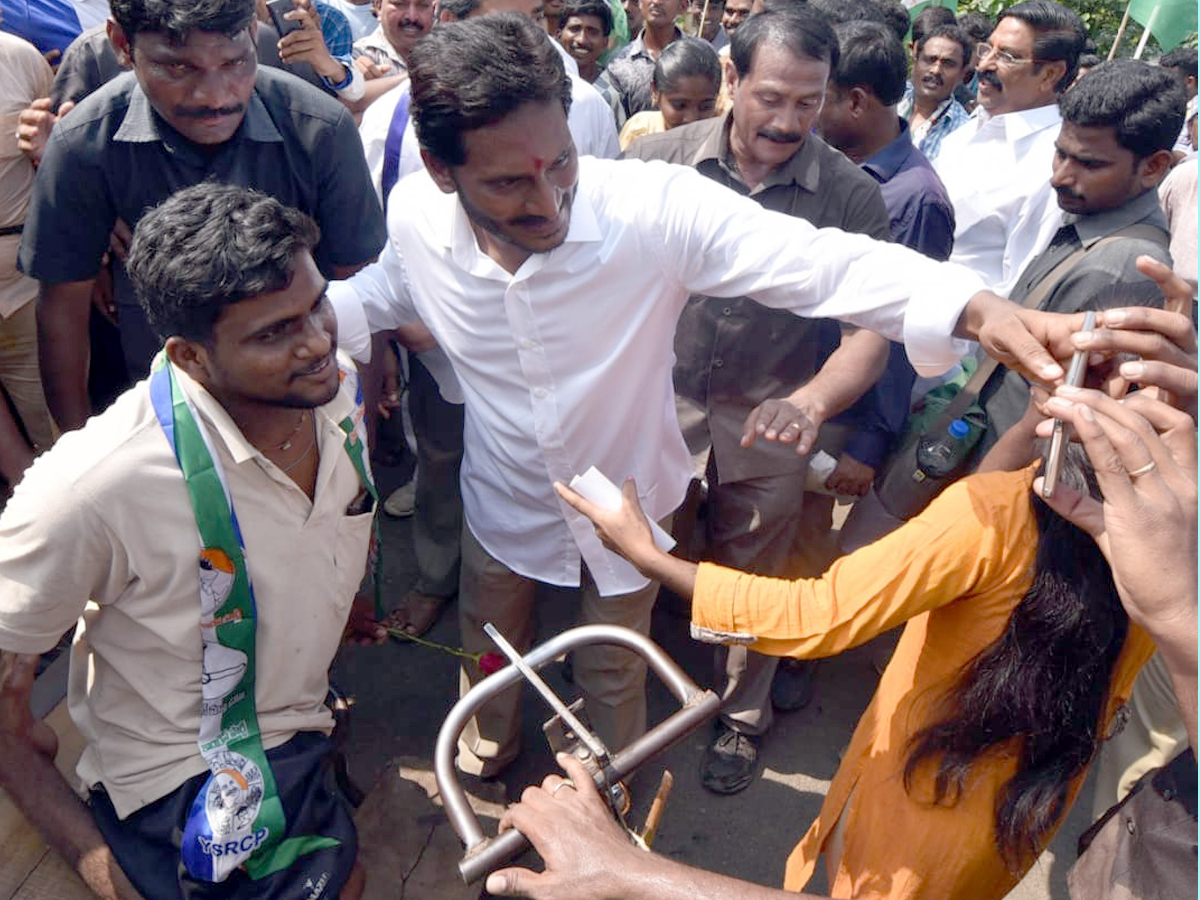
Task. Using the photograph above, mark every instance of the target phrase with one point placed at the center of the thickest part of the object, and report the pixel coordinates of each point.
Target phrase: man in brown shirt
(744, 371)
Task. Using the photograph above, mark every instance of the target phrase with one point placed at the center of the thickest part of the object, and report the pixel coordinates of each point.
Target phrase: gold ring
(565, 783)
(1148, 467)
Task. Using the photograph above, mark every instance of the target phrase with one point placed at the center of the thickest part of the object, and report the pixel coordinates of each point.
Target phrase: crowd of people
(749, 259)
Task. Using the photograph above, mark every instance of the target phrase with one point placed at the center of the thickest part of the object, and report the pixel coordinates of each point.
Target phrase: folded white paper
(594, 486)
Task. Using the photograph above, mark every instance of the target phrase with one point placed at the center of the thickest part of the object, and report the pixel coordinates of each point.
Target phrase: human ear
(190, 357)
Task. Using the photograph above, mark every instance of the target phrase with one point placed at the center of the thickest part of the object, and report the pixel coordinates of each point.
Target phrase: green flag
(1170, 21)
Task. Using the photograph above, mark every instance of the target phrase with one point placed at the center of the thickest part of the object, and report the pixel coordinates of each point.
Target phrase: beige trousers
(612, 680)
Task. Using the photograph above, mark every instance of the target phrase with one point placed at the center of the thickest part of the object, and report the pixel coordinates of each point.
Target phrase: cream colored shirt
(105, 514)
(24, 76)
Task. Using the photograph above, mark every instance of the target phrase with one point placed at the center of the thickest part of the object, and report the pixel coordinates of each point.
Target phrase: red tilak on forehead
(539, 163)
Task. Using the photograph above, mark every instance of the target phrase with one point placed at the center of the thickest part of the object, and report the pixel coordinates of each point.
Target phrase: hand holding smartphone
(277, 9)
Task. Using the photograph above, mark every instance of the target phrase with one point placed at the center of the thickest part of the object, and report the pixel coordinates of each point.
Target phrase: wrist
(336, 74)
(981, 305)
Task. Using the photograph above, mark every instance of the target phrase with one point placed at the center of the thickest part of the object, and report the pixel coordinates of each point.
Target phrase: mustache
(991, 78)
(207, 112)
(933, 78)
(1068, 194)
(781, 137)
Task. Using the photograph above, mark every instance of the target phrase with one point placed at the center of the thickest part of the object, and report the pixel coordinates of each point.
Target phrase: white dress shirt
(567, 363)
(997, 170)
(592, 129)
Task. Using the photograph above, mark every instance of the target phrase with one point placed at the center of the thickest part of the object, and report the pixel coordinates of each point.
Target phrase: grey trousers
(438, 516)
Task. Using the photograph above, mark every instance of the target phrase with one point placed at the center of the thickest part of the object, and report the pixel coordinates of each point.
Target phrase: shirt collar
(887, 162)
(142, 125)
(377, 40)
(637, 47)
(222, 428)
(1023, 123)
(458, 237)
(1092, 228)
(803, 168)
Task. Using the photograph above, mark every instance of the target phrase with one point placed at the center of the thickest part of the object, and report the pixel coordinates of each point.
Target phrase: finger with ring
(1143, 470)
(565, 783)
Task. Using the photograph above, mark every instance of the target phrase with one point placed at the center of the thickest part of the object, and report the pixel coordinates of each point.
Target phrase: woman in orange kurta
(954, 574)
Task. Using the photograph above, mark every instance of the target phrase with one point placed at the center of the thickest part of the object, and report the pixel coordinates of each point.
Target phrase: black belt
(11, 229)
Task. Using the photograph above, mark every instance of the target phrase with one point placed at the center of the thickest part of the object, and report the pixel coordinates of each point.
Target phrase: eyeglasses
(984, 50)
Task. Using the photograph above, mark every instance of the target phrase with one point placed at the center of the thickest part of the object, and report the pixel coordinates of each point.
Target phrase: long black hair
(1044, 681)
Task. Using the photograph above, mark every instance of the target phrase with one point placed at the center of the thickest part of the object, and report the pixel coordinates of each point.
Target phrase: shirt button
(528, 344)
(540, 393)
(727, 311)
(718, 363)
(1129, 825)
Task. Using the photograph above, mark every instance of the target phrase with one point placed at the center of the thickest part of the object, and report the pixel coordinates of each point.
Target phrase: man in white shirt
(380, 55)
(554, 284)
(996, 167)
(435, 399)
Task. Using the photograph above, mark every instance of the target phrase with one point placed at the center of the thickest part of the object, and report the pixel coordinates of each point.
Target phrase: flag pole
(1112, 53)
(1137, 54)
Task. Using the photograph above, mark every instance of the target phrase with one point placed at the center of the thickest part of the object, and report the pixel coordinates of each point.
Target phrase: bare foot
(416, 613)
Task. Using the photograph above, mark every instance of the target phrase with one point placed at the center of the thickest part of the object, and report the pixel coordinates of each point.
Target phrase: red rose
(492, 662)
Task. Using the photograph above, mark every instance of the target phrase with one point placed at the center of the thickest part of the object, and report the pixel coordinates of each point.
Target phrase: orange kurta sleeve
(963, 544)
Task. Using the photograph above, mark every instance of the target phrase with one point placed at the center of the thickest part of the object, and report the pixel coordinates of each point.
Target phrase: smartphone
(277, 8)
(1076, 372)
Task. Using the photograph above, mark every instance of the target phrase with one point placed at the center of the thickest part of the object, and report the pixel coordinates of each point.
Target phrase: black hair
(777, 5)
(470, 74)
(895, 17)
(1043, 683)
(955, 33)
(1059, 34)
(1045, 680)
(211, 245)
(1183, 58)
(799, 30)
(835, 12)
(930, 18)
(458, 9)
(597, 8)
(871, 56)
(177, 19)
(685, 57)
(977, 25)
(1143, 103)
(1089, 61)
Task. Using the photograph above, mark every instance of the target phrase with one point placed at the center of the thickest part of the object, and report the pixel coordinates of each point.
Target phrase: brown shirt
(731, 354)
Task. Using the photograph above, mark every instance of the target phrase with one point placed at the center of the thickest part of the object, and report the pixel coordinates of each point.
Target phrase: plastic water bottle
(939, 455)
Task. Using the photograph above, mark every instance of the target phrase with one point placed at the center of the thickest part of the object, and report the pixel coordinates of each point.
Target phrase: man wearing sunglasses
(996, 167)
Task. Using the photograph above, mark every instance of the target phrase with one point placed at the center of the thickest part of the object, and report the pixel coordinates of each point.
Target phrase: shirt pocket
(350, 556)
